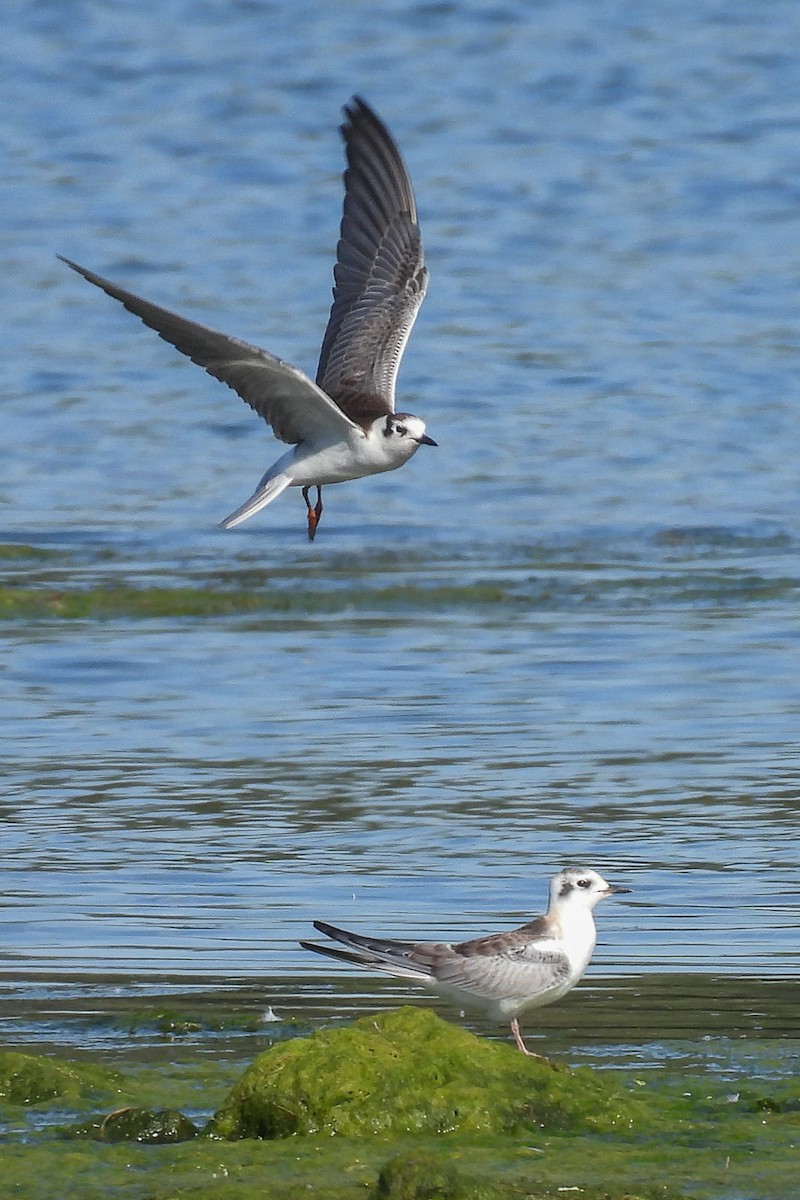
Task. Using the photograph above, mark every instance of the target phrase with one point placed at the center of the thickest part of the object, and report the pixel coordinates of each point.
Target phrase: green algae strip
(700, 1155)
(13, 551)
(598, 1135)
(106, 603)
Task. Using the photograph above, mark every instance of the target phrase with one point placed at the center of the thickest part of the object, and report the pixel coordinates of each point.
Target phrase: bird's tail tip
(264, 494)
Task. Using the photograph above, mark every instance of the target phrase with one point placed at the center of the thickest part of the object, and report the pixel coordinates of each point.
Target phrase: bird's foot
(523, 1049)
(314, 513)
(530, 1054)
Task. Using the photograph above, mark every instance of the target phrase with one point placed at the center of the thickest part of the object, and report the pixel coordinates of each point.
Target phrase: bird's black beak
(615, 889)
(426, 441)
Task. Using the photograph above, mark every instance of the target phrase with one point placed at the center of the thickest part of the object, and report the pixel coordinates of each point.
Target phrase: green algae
(179, 1022)
(31, 1079)
(716, 1153)
(323, 1168)
(422, 1175)
(11, 551)
(408, 1071)
(104, 603)
(709, 1134)
(122, 600)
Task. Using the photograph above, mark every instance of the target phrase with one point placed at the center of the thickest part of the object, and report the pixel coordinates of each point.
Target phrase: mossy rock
(418, 1177)
(408, 1071)
(159, 1126)
(424, 1176)
(31, 1079)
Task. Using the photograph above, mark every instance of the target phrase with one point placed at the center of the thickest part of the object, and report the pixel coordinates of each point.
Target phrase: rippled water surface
(569, 633)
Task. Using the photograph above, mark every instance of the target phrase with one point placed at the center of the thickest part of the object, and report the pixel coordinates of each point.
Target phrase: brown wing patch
(508, 943)
(361, 407)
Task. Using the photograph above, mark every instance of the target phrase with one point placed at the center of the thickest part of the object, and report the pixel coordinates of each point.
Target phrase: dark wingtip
(357, 111)
(355, 105)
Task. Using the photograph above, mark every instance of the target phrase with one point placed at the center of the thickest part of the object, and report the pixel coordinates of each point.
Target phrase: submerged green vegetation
(106, 602)
(42, 584)
(12, 551)
(401, 1105)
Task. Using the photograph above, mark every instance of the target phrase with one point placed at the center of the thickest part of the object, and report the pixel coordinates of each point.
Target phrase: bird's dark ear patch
(387, 429)
(566, 888)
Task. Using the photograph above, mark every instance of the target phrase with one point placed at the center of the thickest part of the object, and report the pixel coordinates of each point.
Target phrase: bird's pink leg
(314, 513)
(518, 1039)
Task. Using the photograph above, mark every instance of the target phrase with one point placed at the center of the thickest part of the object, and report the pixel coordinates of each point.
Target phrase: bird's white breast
(353, 458)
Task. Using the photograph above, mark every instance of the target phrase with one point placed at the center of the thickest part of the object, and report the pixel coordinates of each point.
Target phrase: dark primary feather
(380, 278)
(361, 942)
(288, 401)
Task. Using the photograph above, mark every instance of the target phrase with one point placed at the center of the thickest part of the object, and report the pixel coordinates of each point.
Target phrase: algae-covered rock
(407, 1071)
(153, 1126)
(30, 1079)
(424, 1176)
(418, 1177)
(785, 1101)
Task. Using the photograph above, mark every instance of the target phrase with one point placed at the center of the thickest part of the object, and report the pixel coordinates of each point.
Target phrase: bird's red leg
(314, 513)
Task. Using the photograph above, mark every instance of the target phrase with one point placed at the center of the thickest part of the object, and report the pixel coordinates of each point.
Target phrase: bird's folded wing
(380, 277)
(363, 943)
(502, 975)
(284, 396)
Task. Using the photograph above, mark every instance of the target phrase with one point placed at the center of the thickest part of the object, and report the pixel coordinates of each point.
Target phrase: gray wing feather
(380, 277)
(295, 408)
(527, 974)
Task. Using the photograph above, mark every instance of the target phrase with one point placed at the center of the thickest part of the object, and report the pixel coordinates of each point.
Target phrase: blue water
(609, 358)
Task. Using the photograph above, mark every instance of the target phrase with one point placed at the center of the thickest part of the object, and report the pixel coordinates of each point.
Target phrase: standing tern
(503, 973)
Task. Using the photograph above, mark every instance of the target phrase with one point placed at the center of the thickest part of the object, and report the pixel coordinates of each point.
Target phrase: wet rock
(408, 1071)
(153, 1126)
(32, 1079)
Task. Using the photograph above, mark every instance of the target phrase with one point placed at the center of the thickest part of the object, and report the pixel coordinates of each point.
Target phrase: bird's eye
(401, 429)
(584, 883)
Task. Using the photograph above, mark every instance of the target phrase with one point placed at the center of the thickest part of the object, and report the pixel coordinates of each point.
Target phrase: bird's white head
(399, 435)
(581, 887)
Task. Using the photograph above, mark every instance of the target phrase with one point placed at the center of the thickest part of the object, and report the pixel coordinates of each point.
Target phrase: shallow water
(570, 633)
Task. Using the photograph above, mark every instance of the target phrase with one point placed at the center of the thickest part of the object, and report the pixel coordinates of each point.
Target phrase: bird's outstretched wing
(295, 407)
(379, 277)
